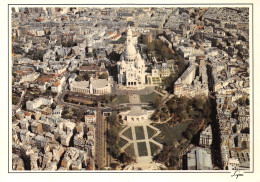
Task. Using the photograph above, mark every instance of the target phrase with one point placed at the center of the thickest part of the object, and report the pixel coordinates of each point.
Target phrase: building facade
(93, 86)
(131, 67)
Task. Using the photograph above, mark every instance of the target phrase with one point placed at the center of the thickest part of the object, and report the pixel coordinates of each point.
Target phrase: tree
(156, 102)
(155, 116)
(53, 106)
(112, 119)
(78, 112)
(103, 76)
(181, 65)
(163, 116)
(207, 109)
(78, 78)
(64, 112)
(115, 151)
(144, 39)
(187, 134)
(124, 158)
(182, 115)
(168, 82)
(15, 100)
(75, 71)
(199, 103)
(86, 77)
(173, 161)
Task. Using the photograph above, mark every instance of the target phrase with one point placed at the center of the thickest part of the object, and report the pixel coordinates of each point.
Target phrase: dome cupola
(130, 50)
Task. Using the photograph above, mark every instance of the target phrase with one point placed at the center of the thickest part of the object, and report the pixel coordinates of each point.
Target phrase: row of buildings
(40, 141)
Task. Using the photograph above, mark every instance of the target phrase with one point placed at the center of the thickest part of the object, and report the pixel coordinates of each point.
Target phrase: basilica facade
(131, 67)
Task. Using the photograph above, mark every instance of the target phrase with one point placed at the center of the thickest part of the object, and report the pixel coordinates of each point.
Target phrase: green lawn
(149, 97)
(170, 134)
(150, 131)
(139, 131)
(154, 147)
(122, 142)
(130, 150)
(142, 150)
(120, 99)
(128, 133)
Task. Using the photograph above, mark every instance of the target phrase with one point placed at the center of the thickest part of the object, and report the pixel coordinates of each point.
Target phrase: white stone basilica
(131, 67)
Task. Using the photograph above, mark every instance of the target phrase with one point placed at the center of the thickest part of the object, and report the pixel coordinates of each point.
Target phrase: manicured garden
(151, 132)
(154, 148)
(122, 142)
(130, 150)
(149, 98)
(120, 99)
(142, 150)
(128, 133)
(139, 131)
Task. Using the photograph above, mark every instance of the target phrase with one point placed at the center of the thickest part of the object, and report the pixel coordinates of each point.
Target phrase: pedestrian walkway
(146, 140)
(134, 99)
(143, 162)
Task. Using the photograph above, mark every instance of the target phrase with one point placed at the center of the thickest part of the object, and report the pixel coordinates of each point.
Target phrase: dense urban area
(130, 88)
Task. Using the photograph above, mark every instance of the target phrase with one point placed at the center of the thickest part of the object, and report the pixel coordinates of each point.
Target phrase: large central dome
(130, 50)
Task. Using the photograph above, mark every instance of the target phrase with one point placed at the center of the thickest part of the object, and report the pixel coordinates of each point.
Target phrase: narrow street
(215, 147)
(107, 152)
(100, 140)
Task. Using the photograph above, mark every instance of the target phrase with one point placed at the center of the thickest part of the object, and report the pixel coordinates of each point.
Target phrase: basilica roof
(130, 50)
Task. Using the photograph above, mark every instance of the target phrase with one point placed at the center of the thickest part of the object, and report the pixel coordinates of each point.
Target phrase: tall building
(131, 67)
(185, 79)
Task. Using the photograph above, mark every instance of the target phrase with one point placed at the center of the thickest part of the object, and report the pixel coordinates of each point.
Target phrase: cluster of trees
(192, 129)
(112, 135)
(197, 109)
(168, 156)
(113, 139)
(108, 99)
(160, 50)
(78, 113)
(157, 101)
(113, 72)
(183, 108)
(169, 81)
(65, 111)
(103, 76)
(15, 100)
(86, 76)
(114, 57)
(82, 77)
